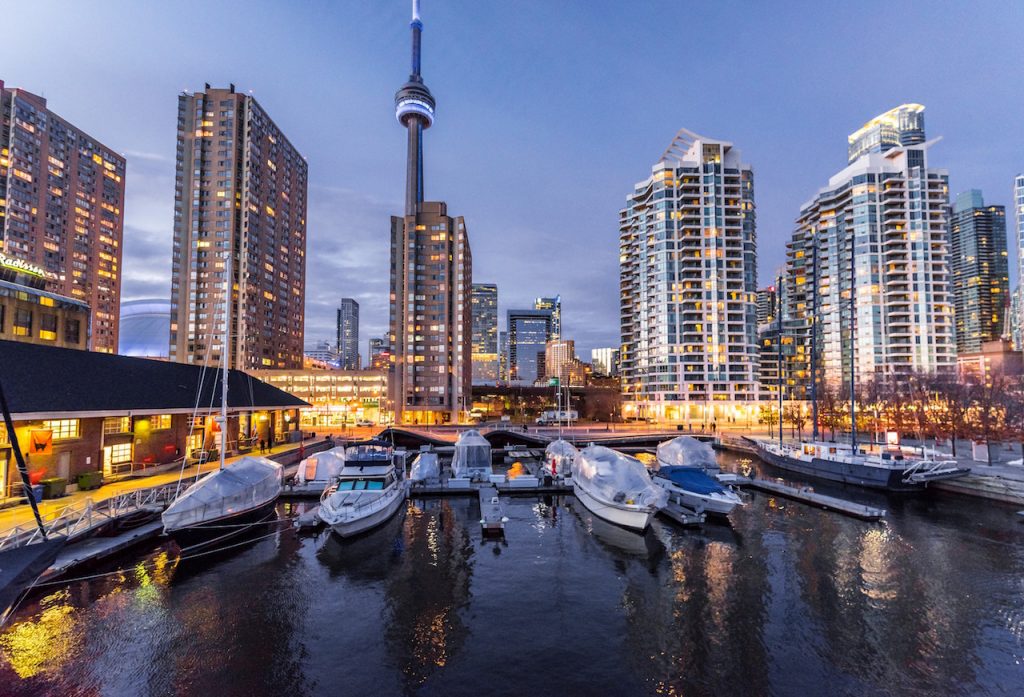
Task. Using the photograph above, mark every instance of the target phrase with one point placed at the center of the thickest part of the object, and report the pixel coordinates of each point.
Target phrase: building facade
(348, 334)
(528, 332)
(62, 208)
(878, 230)
(240, 190)
(897, 127)
(337, 398)
(554, 305)
(605, 361)
(485, 334)
(32, 315)
(687, 269)
(1018, 219)
(559, 356)
(379, 353)
(979, 271)
(431, 276)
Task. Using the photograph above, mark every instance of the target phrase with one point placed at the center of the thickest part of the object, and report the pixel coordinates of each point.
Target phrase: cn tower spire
(414, 109)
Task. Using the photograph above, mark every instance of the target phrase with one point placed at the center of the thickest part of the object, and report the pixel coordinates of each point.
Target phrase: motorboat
(224, 503)
(616, 487)
(492, 515)
(558, 458)
(687, 451)
(317, 471)
(692, 488)
(368, 491)
(426, 468)
(890, 468)
(472, 459)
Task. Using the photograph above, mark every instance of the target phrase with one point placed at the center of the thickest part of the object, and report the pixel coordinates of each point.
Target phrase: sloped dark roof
(44, 379)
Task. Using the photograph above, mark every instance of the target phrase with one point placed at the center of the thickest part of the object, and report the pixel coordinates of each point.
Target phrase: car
(364, 422)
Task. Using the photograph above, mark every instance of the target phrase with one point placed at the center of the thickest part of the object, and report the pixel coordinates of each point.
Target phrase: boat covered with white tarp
(616, 487)
(558, 458)
(472, 458)
(224, 502)
(687, 451)
(319, 470)
(425, 468)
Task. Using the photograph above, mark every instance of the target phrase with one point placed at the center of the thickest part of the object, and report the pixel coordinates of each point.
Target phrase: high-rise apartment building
(555, 306)
(897, 127)
(348, 334)
(767, 299)
(1018, 219)
(880, 229)
(240, 190)
(379, 356)
(485, 334)
(431, 275)
(528, 333)
(559, 355)
(688, 275)
(62, 209)
(605, 361)
(979, 271)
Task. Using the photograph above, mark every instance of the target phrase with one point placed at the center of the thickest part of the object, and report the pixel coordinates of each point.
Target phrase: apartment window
(22, 322)
(72, 331)
(160, 421)
(48, 327)
(63, 429)
(116, 424)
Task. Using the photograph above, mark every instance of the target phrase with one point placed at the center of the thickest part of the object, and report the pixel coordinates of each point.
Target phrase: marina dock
(809, 496)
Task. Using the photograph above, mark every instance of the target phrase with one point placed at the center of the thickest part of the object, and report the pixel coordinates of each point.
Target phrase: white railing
(87, 515)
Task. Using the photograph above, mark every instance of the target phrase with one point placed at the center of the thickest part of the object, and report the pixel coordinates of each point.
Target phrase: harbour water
(789, 600)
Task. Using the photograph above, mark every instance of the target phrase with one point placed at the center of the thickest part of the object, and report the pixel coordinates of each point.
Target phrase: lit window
(63, 429)
(116, 424)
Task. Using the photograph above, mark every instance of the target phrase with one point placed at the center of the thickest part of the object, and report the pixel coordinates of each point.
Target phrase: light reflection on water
(789, 600)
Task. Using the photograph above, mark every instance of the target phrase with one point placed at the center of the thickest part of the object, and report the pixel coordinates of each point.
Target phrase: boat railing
(85, 516)
(934, 470)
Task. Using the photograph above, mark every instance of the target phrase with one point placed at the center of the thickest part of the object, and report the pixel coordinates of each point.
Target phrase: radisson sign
(21, 266)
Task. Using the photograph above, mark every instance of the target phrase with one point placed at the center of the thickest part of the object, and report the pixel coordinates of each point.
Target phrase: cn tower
(414, 109)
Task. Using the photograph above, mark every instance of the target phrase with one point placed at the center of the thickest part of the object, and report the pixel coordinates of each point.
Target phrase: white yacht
(367, 491)
(558, 458)
(616, 487)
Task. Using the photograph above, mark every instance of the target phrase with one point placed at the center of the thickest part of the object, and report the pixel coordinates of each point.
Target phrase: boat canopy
(321, 467)
(559, 456)
(244, 484)
(693, 479)
(424, 467)
(374, 449)
(687, 451)
(612, 476)
(472, 455)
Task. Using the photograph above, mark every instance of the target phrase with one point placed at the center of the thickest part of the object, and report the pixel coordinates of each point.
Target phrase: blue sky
(548, 112)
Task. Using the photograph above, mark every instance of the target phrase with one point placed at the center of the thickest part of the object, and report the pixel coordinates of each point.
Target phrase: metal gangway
(86, 516)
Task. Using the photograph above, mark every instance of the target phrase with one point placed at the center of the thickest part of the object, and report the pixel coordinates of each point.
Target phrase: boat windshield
(367, 452)
(360, 484)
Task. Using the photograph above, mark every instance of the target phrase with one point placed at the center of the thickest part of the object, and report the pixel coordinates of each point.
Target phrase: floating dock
(808, 496)
(97, 549)
(686, 517)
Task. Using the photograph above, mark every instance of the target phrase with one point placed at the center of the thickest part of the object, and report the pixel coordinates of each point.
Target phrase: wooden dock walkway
(808, 496)
(99, 548)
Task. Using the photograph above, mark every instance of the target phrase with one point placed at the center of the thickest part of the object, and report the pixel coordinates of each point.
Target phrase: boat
(616, 487)
(232, 498)
(492, 516)
(558, 458)
(694, 489)
(426, 469)
(687, 451)
(317, 471)
(367, 492)
(472, 459)
(875, 467)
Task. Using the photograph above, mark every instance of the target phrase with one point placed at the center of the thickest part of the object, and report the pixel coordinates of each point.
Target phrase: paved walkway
(22, 513)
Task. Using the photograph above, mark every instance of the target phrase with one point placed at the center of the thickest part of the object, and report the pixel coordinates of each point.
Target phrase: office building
(431, 275)
(605, 361)
(485, 334)
(528, 334)
(379, 353)
(323, 353)
(348, 334)
(688, 275)
(61, 209)
(503, 357)
(880, 227)
(337, 398)
(240, 190)
(979, 271)
(32, 315)
(559, 354)
(1018, 219)
(555, 306)
(902, 126)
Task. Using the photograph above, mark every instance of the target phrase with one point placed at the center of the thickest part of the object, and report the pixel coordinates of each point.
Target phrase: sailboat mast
(225, 360)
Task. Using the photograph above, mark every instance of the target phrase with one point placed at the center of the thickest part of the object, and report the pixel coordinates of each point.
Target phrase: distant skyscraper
(348, 334)
(890, 210)
(503, 356)
(559, 355)
(61, 210)
(323, 352)
(688, 275)
(555, 305)
(379, 353)
(528, 334)
(431, 274)
(903, 125)
(1018, 216)
(240, 189)
(485, 334)
(979, 274)
(605, 361)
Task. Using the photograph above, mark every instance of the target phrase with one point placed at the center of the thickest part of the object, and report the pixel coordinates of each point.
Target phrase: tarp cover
(472, 456)
(559, 456)
(612, 476)
(243, 485)
(425, 466)
(691, 479)
(321, 467)
(687, 451)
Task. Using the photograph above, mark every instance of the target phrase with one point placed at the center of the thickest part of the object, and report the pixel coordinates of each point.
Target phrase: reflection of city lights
(875, 559)
(45, 643)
